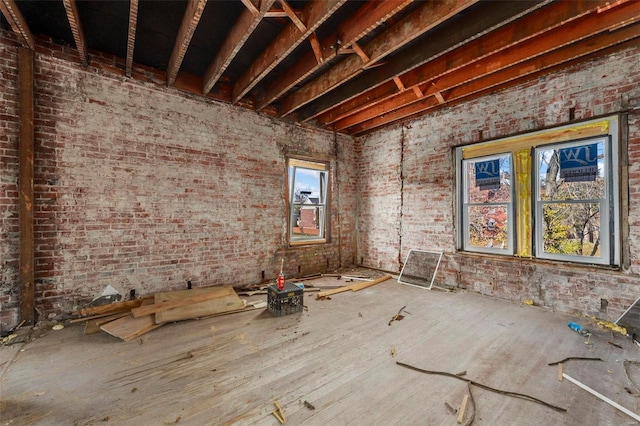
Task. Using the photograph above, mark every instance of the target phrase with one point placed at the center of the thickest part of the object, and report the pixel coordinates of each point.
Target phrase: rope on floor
(483, 386)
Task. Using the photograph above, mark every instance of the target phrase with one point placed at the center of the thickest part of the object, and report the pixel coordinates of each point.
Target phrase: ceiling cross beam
(238, 36)
(76, 29)
(188, 26)
(363, 21)
(131, 36)
(313, 15)
(292, 15)
(426, 17)
(17, 22)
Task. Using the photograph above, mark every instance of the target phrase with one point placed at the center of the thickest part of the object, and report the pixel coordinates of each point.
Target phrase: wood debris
(133, 318)
(352, 287)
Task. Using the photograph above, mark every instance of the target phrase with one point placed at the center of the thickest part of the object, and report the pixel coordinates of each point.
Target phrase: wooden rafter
(528, 68)
(131, 36)
(315, 46)
(18, 24)
(238, 36)
(360, 52)
(399, 83)
(468, 27)
(363, 21)
(187, 28)
(76, 29)
(292, 15)
(252, 8)
(314, 14)
(532, 42)
(426, 17)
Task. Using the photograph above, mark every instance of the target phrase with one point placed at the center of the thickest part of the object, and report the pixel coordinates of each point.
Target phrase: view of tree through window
(571, 197)
(308, 201)
(488, 202)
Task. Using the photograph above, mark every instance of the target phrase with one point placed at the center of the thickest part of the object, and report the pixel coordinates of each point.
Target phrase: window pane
(309, 223)
(310, 187)
(572, 172)
(488, 227)
(571, 228)
(489, 180)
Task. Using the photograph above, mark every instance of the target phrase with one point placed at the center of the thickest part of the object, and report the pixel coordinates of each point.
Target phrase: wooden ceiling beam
(292, 15)
(252, 8)
(542, 43)
(131, 36)
(426, 17)
(17, 22)
(315, 46)
(313, 15)
(526, 27)
(188, 26)
(76, 29)
(363, 21)
(238, 36)
(510, 76)
(467, 27)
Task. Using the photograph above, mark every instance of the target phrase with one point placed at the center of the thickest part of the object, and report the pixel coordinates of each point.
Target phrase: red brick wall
(143, 187)
(417, 211)
(8, 181)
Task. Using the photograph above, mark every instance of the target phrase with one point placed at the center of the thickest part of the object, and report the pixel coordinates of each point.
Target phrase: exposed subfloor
(337, 355)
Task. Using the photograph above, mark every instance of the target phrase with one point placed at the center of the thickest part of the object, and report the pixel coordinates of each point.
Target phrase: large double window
(308, 201)
(549, 195)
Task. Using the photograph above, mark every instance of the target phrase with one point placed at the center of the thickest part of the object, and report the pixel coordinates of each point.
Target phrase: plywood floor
(337, 355)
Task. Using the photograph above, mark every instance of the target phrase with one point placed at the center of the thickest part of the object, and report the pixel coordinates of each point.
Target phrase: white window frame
(605, 205)
(589, 130)
(293, 164)
(467, 205)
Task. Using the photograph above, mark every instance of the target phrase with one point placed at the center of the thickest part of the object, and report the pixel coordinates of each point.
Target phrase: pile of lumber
(133, 318)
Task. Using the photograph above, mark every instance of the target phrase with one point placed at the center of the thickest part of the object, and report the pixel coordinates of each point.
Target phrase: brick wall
(8, 180)
(143, 187)
(417, 210)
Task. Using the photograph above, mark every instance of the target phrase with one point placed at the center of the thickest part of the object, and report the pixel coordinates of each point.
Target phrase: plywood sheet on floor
(336, 355)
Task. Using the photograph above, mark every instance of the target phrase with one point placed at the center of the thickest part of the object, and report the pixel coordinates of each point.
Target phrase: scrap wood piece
(483, 386)
(602, 397)
(112, 308)
(352, 287)
(280, 411)
(463, 407)
(182, 298)
(130, 327)
(575, 358)
(398, 316)
(92, 326)
(225, 300)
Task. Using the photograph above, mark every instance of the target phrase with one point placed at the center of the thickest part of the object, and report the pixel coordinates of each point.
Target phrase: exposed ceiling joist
(468, 27)
(527, 27)
(237, 37)
(513, 74)
(18, 24)
(426, 17)
(288, 10)
(76, 29)
(348, 66)
(313, 15)
(352, 29)
(187, 28)
(131, 36)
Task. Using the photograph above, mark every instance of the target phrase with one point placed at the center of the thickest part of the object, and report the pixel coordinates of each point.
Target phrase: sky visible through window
(307, 180)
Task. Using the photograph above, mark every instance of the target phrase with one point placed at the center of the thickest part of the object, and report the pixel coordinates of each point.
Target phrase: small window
(308, 195)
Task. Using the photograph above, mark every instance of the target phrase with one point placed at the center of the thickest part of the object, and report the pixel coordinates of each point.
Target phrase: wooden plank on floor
(352, 287)
(92, 325)
(112, 308)
(225, 300)
(130, 327)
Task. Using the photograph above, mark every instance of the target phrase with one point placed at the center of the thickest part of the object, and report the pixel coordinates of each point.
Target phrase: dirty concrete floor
(339, 355)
